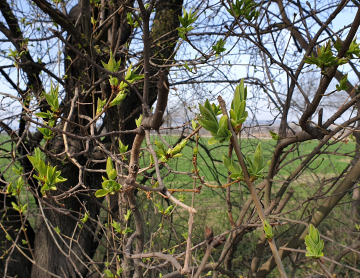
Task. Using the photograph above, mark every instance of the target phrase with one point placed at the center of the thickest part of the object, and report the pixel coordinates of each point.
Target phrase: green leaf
(274, 135)
(118, 99)
(85, 218)
(343, 84)
(131, 76)
(160, 208)
(138, 121)
(244, 8)
(101, 193)
(314, 244)
(127, 215)
(100, 105)
(109, 166)
(122, 147)
(15, 207)
(194, 125)
(233, 167)
(116, 226)
(48, 134)
(44, 115)
(268, 230)
(168, 210)
(211, 126)
(258, 157)
(112, 65)
(219, 46)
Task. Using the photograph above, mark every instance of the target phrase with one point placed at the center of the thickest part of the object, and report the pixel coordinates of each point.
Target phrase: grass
(211, 203)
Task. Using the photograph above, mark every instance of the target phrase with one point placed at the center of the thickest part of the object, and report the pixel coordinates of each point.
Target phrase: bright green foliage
(112, 65)
(122, 148)
(47, 175)
(175, 152)
(52, 97)
(20, 209)
(118, 99)
(268, 230)
(218, 129)
(109, 186)
(238, 114)
(131, 76)
(164, 155)
(15, 190)
(233, 167)
(163, 211)
(314, 245)
(256, 164)
(47, 133)
(138, 121)
(186, 20)
(274, 135)
(44, 115)
(194, 124)
(130, 20)
(219, 47)
(245, 8)
(113, 80)
(216, 109)
(223, 133)
(100, 105)
(85, 218)
(108, 273)
(354, 49)
(127, 215)
(343, 84)
(187, 67)
(116, 226)
(325, 58)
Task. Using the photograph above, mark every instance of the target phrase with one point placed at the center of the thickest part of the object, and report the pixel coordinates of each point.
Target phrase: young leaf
(100, 105)
(101, 193)
(274, 135)
(314, 245)
(138, 121)
(118, 99)
(343, 84)
(268, 230)
(112, 65)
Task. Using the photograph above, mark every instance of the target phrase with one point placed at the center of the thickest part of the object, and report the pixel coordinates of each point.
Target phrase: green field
(211, 202)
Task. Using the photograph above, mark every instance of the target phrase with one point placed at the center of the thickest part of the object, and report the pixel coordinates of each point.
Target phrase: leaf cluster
(353, 51)
(163, 211)
(165, 154)
(219, 47)
(314, 245)
(256, 163)
(109, 186)
(325, 58)
(244, 8)
(15, 189)
(47, 176)
(218, 128)
(186, 20)
(52, 98)
(238, 114)
(268, 230)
